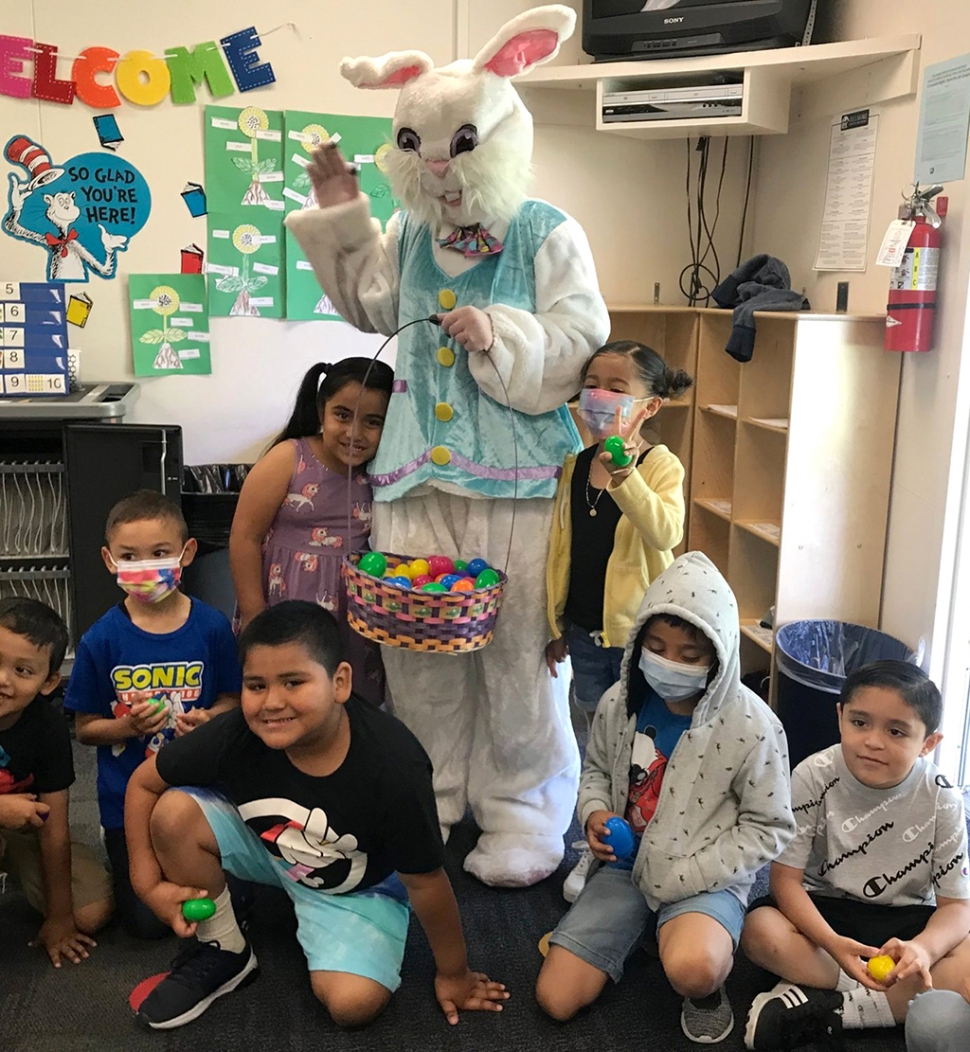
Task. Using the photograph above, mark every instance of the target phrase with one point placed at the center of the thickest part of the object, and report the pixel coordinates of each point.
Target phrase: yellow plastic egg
(418, 567)
(880, 967)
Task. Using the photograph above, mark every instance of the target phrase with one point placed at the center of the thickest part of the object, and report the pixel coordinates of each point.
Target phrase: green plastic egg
(487, 578)
(433, 586)
(198, 909)
(373, 563)
(460, 566)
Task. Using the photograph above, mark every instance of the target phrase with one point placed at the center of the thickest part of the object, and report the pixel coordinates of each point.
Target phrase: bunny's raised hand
(334, 180)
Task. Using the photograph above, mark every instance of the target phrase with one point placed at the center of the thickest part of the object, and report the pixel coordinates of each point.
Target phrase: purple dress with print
(305, 545)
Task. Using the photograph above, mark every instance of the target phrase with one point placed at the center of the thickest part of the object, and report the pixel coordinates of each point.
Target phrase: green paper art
(244, 262)
(363, 140)
(169, 324)
(243, 158)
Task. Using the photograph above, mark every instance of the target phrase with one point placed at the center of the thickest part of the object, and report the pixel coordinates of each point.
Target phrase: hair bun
(678, 381)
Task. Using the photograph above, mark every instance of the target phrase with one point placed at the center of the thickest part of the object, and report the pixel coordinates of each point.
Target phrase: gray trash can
(813, 659)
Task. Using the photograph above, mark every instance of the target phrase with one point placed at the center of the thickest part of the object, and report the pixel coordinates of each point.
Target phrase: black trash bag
(209, 496)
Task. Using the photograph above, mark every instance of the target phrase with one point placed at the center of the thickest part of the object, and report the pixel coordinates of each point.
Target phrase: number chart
(33, 340)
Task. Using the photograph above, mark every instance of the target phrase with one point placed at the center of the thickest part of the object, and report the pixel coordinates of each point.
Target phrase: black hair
(659, 379)
(295, 621)
(146, 505)
(40, 624)
(636, 682)
(909, 681)
(314, 395)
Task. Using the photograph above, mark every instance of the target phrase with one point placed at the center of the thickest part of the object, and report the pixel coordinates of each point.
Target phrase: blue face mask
(673, 680)
(597, 409)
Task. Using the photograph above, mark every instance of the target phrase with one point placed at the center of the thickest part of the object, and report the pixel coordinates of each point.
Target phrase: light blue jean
(938, 1021)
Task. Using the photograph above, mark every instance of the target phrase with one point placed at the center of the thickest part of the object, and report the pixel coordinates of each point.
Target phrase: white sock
(864, 1008)
(846, 982)
(221, 927)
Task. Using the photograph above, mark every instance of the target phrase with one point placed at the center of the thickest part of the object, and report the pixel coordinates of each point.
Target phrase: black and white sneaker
(200, 973)
(789, 1017)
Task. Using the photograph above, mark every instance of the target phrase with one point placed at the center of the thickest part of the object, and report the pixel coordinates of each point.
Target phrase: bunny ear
(392, 70)
(526, 41)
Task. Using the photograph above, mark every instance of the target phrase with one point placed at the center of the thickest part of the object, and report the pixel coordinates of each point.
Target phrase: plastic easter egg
(449, 580)
(198, 909)
(433, 586)
(403, 570)
(440, 564)
(463, 584)
(157, 704)
(487, 578)
(420, 568)
(421, 579)
(614, 446)
(374, 563)
(476, 566)
(620, 837)
(399, 582)
(880, 967)
(460, 566)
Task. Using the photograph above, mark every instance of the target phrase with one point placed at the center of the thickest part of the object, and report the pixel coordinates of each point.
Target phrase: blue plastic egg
(449, 580)
(400, 582)
(620, 837)
(475, 567)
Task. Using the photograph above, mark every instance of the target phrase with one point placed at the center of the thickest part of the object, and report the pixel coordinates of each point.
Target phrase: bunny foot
(514, 860)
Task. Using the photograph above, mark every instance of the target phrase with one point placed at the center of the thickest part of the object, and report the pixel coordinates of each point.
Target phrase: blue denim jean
(595, 668)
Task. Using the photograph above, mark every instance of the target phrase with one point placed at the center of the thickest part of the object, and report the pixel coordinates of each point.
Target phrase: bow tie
(53, 242)
(472, 240)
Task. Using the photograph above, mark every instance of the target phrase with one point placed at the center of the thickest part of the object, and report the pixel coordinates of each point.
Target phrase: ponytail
(314, 395)
(659, 380)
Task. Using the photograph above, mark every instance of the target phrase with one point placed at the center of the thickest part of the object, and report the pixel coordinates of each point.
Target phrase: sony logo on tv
(671, 21)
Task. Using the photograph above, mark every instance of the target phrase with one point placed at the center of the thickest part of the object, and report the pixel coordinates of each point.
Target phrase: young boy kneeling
(698, 765)
(878, 866)
(325, 797)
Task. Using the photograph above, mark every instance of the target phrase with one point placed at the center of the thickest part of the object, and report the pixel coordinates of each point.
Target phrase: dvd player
(673, 103)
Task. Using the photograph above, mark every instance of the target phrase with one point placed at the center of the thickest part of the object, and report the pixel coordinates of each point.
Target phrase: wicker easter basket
(433, 622)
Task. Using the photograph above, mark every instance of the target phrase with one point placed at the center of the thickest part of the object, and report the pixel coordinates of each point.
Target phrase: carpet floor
(85, 1008)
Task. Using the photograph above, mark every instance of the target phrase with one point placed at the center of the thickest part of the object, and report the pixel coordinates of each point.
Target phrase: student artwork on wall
(81, 213)
(245, 264)
(243, 158)
(169, 324)
(364, 140)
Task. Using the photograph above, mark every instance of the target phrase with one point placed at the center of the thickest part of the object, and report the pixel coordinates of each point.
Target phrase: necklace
(591, 504)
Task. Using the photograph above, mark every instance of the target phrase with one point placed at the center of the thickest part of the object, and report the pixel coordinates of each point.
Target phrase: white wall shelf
(877, 69)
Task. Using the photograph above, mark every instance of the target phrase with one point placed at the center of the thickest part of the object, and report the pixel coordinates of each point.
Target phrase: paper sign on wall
(944, 119)
(169, 324)
(243, 158)
(245, 264)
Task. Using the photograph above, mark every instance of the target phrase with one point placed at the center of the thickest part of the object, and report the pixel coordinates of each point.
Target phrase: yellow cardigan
(652, 502)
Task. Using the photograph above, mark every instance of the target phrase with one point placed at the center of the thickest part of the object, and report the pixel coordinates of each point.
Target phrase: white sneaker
(576, 880)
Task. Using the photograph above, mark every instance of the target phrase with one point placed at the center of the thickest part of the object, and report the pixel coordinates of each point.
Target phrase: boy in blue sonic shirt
(153, 668)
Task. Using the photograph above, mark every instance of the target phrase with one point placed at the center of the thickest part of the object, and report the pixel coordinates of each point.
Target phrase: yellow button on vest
(443, 411)
(446, 357)
(441, 455)
(447, 299)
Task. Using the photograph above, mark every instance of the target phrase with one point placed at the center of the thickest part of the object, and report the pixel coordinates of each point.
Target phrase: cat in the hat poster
(81, 213)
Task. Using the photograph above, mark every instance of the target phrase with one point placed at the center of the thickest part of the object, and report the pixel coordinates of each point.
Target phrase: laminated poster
(169, 324)
(244, 262)
(243, 159)
(363, 140)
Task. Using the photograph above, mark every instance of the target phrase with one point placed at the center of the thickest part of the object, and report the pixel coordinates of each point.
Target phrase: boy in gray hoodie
(698, 765)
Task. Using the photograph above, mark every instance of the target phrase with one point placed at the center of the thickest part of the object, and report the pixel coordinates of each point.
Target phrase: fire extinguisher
(911, 310)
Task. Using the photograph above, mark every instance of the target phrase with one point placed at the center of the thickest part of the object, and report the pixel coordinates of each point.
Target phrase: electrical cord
(747, 195)
(695, 276)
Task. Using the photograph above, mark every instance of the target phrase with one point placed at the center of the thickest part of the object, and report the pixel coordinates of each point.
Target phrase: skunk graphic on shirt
(647, 767)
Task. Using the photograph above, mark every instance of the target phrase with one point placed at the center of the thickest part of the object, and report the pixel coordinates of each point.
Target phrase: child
(154, 667)
(289, 533)
(329, 799)
(878, 866)
(616, 525)
(698, 765)
(63, 881)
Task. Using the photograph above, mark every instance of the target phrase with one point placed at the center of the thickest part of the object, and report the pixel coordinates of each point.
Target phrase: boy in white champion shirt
(878, 866)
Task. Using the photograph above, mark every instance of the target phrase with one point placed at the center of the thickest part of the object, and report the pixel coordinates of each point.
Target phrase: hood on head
(693, 589)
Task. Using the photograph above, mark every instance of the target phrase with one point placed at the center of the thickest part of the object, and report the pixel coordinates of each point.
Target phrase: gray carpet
(85, 1008)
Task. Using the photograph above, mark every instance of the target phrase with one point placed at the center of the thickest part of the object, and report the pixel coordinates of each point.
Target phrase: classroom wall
(627, 194)
(931, 439)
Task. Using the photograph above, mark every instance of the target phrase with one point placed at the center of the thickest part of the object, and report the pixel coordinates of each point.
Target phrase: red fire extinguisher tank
(911, 310)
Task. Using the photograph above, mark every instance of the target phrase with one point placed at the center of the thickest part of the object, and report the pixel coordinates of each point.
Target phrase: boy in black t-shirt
(64, 882)
(325, 797)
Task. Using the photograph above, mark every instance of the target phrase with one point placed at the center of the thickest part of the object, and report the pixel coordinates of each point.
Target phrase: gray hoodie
(725, 802)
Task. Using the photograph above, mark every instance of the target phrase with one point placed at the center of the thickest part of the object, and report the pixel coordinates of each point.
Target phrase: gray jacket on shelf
(763, 283)
(725, 804)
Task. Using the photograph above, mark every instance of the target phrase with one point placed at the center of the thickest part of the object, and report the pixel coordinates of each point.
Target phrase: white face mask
(672, 680)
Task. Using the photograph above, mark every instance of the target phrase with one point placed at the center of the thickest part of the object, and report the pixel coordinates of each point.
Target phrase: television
(645, 29)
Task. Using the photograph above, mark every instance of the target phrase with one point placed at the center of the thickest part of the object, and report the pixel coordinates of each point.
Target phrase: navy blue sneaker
(200, 973)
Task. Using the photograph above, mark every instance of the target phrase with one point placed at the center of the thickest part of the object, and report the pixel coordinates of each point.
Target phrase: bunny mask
(462, 137)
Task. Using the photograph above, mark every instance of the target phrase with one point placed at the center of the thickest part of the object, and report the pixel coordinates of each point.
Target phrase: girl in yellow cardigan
(614, 527)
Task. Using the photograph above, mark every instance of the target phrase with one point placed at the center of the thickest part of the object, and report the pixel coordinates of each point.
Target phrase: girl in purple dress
(290, 530)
